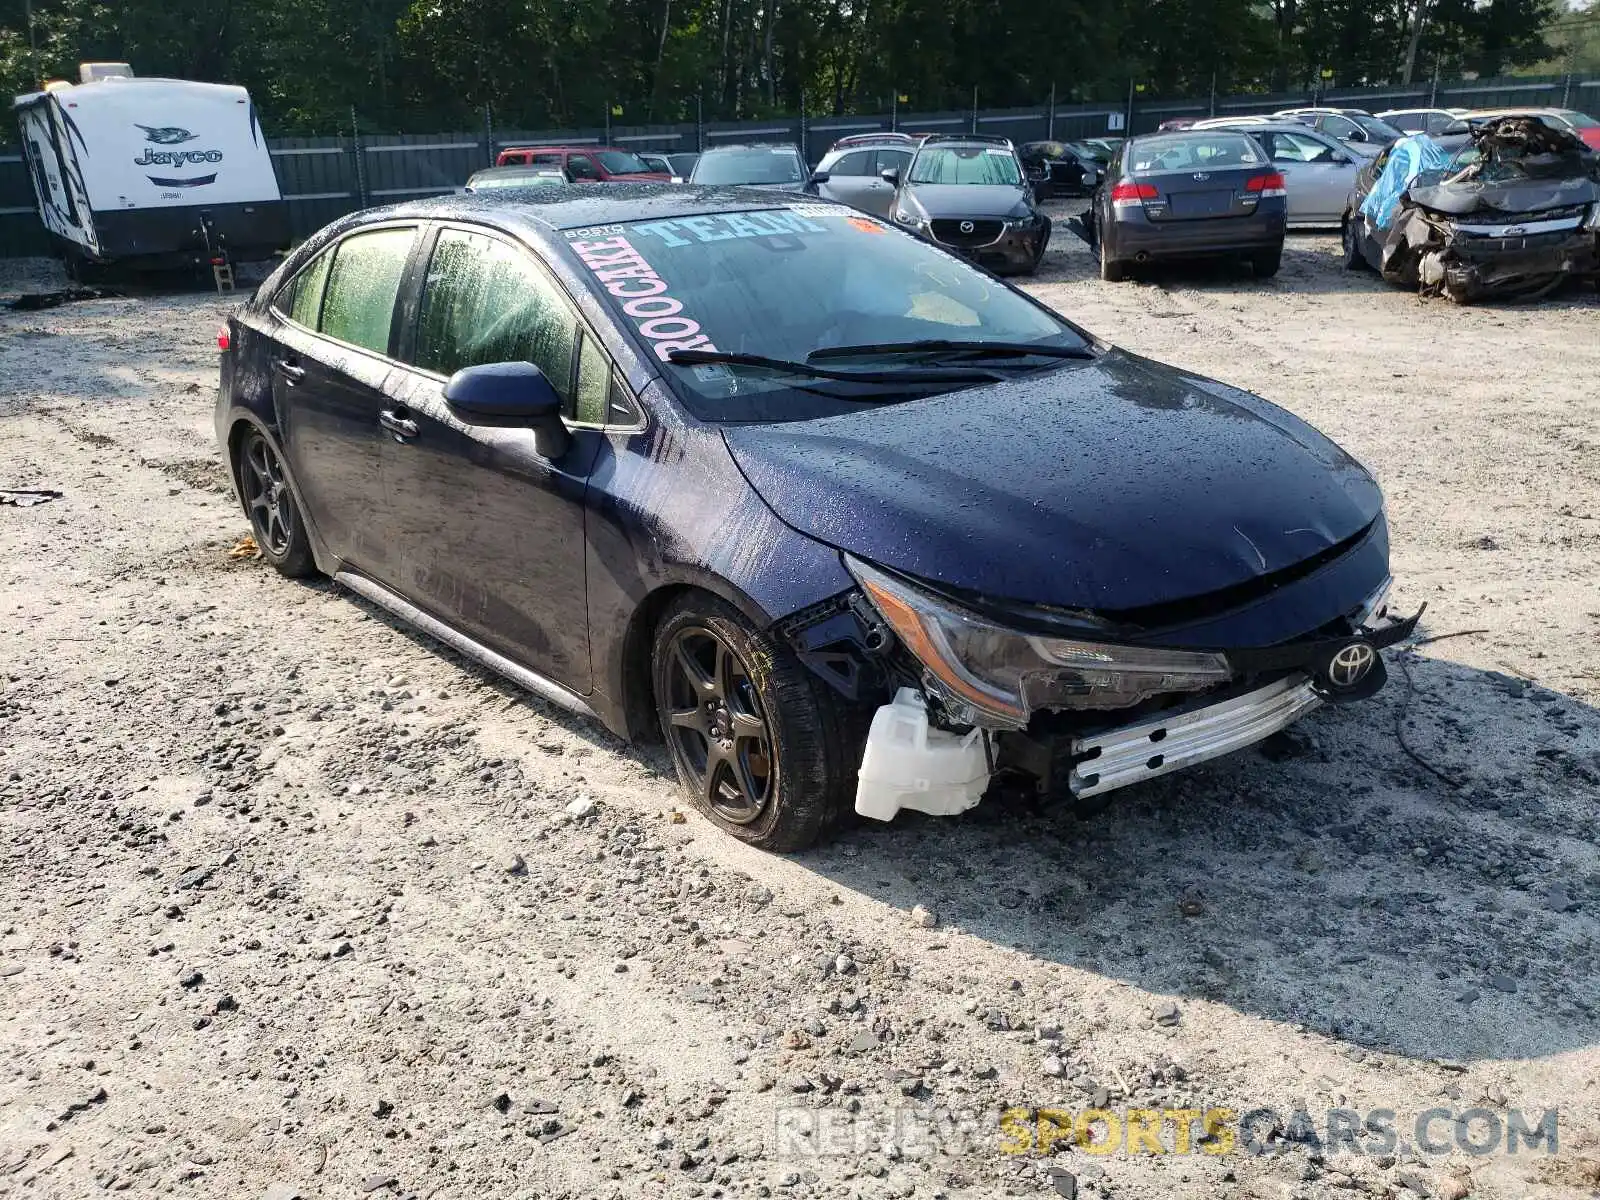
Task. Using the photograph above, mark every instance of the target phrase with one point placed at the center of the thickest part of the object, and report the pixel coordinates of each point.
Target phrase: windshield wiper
(689, 358)
(940, 345)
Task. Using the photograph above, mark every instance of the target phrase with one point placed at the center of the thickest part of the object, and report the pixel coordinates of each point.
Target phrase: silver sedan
(1319, 170)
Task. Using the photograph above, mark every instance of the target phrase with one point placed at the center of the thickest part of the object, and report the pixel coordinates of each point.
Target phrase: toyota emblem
(967, 227)
(1350, 665)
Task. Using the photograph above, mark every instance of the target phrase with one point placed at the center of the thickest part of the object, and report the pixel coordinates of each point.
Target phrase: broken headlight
(1001, 676)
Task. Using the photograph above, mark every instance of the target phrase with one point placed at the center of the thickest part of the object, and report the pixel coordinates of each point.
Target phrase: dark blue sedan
(843, 518)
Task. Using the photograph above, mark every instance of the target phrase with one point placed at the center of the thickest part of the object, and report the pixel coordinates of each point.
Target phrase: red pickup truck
(584, 164)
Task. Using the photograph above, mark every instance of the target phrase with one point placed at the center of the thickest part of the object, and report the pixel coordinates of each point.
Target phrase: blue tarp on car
(1408, 158)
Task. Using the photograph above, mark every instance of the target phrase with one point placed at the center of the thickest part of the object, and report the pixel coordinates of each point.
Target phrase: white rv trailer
(150, 171)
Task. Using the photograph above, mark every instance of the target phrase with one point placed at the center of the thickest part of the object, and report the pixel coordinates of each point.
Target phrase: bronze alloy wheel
(717, 727)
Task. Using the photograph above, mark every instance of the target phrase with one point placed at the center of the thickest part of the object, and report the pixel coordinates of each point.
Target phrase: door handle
(403, 428)
(291, 371)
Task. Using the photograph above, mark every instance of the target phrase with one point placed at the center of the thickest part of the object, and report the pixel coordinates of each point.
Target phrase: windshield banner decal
(626, 275)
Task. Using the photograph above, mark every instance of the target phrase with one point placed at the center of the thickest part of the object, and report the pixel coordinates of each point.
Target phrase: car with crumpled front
(970, 195)
(823, 507)
(1501, 207)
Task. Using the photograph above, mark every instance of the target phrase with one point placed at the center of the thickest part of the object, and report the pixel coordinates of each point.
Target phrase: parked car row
(970, 194)
(1510, 206)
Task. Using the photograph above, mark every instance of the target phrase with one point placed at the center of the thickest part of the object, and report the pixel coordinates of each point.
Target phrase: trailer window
(362, 285)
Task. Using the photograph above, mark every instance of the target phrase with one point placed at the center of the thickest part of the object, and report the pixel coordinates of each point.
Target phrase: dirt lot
(292, 901)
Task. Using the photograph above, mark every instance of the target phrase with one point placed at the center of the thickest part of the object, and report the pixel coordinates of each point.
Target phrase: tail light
(1134, 193)
(224, 342)
(1270, 184)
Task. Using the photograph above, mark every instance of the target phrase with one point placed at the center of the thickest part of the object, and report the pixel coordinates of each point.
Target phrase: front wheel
(761, 745)
(1354, 260)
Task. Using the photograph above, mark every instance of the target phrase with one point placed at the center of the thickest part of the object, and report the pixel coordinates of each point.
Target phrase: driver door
(1318, 185)
(488, 535)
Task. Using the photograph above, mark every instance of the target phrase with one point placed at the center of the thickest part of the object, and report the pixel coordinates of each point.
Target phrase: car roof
(751, 146)
(511, 169)
(1287, 125)
(562, 146)
(575, 206)
(1519, 111)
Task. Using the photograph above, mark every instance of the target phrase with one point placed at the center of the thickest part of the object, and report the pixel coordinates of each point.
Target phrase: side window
(544, 160)
(301, 299)
(1338, 127)
(892, 160)
(582, 167)
(487, 302)
(857, 162)
(362, 284)
(594, 384)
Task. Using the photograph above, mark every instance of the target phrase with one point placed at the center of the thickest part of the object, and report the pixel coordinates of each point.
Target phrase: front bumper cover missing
(1335, 670)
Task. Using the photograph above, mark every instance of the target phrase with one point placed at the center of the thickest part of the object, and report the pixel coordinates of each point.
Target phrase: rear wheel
(275, 521)
(1111, 270)
(1267, 262)
(761, 745)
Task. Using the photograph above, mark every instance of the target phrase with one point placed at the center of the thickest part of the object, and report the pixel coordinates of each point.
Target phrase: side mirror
(512, 395)
(818, 177)
(1357, 135)
(891, 177)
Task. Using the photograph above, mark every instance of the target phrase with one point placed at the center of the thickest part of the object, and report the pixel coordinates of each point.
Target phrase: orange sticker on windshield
(865, 225)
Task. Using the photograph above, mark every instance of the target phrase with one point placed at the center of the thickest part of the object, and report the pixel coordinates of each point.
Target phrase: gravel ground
(294, 903)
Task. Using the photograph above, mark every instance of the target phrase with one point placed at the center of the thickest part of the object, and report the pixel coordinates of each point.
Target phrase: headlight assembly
(1003, 676)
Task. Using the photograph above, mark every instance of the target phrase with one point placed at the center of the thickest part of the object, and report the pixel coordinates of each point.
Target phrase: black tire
(1354, 260)
(275, 521)
(1267, 262)
(1111, 270)
(761, 746)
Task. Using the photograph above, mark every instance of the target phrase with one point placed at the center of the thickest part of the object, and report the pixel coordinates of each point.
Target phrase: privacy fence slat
(324, 178)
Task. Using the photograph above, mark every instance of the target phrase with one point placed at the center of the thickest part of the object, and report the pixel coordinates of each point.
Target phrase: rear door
(582, 169)
(331, 372)
(1199, 176)
(488, 535)
(850, 180)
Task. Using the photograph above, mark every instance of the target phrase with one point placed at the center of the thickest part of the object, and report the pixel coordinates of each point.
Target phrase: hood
(964, 199)
(1525, 196)
(1111, 485)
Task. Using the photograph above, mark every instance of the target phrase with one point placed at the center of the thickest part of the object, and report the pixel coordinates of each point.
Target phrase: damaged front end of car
(1068, 703)
(1515, 215)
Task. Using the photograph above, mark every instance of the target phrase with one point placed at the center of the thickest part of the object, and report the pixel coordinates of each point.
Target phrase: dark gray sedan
(1207, 193)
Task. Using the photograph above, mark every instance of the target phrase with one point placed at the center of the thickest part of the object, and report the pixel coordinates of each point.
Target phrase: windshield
(784, 283)
(1578, 120)
(765, 164)
(621, 162)
(991, 165)
(1084, 149)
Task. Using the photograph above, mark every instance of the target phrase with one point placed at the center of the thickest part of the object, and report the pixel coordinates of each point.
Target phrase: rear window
(620, 162)
(1409, 122)
(1192, 151)
(771, 164)
(992, 165)
(782, 283)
